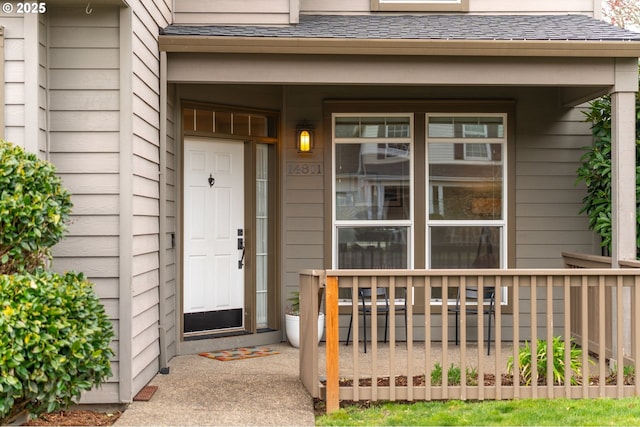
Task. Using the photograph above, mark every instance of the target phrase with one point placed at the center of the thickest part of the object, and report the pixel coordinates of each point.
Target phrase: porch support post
(332, 342)
(623, 190)
(623, 162)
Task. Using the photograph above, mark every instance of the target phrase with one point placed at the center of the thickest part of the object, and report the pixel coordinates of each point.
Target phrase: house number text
(304, 168)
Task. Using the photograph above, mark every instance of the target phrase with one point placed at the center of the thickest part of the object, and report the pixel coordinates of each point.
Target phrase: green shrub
(54, 341)
(526, 368)
(34, 209)
(595, 170)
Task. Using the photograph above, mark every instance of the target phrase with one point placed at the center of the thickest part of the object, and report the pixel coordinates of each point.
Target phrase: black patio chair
(479, 305)
(364, 308)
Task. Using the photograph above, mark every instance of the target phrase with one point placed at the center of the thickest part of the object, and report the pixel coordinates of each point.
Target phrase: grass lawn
(525, 412)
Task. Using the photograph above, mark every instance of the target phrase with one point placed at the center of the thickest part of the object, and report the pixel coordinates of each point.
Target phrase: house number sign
(295, 168)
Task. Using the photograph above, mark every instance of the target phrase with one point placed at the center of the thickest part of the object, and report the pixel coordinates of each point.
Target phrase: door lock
(241, 247)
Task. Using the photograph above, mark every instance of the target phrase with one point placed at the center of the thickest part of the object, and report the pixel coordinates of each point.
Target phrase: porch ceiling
(424, 35)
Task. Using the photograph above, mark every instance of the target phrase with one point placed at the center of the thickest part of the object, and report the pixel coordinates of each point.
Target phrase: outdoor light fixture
(304, 138)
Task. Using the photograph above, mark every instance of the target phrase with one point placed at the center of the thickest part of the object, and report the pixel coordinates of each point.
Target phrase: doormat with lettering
(240, 353)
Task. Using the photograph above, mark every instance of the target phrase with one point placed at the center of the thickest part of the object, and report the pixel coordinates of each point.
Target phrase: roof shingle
(426, 27)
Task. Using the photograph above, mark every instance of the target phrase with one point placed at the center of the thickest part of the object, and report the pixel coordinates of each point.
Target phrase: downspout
(162, 273)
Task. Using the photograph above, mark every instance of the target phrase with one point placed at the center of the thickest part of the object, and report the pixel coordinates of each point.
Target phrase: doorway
(214, 235)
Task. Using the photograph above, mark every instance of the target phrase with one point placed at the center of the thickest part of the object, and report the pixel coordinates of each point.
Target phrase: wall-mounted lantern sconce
(304, 138)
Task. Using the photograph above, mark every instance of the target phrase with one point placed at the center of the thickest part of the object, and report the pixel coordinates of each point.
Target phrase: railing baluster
(567, 334)
(584, 329)
(409, 335)
(533, 333)
(497, 307)
(620, 335)
(392, 338)
(427, 337)
(445, 335)
(516, 337)
(480, 316)
(463, 335)
(374, 336)
(550, 332)
(355, 300)
(602, 337)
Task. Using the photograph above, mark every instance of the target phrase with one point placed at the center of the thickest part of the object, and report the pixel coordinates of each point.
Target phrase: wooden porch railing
(532, 305)
(593, 316)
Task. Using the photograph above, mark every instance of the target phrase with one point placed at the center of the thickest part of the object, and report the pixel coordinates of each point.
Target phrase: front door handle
(241, 261)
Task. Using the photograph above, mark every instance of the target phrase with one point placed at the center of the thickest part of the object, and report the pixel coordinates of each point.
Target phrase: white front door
(213, 235)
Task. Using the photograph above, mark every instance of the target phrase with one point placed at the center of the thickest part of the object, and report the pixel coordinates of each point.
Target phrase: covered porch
(404, 131)
(539, 305)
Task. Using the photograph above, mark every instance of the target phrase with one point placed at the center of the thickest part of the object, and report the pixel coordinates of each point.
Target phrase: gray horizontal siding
(475, 6)
(147, 17)
(232, 12)
(14, 78)
(83, 125)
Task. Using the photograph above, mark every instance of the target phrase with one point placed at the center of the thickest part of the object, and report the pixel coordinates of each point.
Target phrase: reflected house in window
(466, 187)
(372, 182)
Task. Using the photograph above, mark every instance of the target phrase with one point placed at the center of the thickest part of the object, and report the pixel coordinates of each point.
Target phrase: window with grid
(373, 191)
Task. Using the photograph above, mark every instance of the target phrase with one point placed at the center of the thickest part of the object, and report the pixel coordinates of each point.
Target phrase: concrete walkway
(264, 391)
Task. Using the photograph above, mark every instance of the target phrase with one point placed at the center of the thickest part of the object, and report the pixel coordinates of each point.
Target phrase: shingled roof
(425, 27)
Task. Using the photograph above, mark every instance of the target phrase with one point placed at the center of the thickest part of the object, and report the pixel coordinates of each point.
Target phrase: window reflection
(372, 247)
(465, 181)
(465, 246)
(372, 127)
(465, 127)
(373, 181)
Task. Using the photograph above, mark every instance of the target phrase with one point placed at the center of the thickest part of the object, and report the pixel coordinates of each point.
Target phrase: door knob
(211, 180)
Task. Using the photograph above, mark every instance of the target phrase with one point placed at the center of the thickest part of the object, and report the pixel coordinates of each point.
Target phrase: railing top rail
(630, 263)
(481, 272)
(587, 257)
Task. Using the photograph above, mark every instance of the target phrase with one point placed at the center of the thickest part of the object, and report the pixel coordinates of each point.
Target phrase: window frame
(420, 5)
(502, 223)
(409, 223)
(419, 108)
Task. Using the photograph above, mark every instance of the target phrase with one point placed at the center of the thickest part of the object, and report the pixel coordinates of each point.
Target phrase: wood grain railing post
(332, 342)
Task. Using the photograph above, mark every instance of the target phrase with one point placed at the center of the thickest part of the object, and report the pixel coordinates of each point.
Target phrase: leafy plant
(54, 333)
(294, 301)
(628, 375)
(453, 374)
(436, 374)
(595, 170)
(525, 362)
(34, 209)
(54, 341)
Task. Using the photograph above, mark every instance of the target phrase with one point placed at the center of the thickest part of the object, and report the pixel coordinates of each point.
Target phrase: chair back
(366, 293)
(472, 294)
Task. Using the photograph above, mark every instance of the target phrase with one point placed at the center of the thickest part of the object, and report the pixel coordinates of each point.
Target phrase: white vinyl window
(466, 192)
(373, 191)
(373, 223)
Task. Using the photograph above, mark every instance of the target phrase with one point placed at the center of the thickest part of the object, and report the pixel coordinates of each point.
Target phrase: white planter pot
(292, 327)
